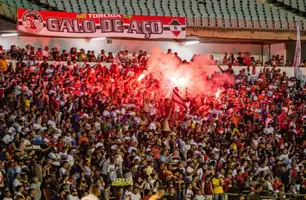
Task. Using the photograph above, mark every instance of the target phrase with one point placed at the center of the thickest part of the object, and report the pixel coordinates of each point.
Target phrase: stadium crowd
(68, 130)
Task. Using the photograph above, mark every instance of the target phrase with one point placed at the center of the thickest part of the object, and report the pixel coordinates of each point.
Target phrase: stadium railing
(210, 69)
(234, 196)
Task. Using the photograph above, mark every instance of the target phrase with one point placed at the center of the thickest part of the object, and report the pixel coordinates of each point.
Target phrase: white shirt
(90, 197)
(62, 171)
(55, 157)
(45, 53)
(152, 109)
(152, 126)
(7, 139)
(105, 166)
(127, 195)
(87, 171)
(189, 194)
(131, 73)
(17, 169)
(111, 168)
(268, 131)
(199, 197)
(105, 113)
(262, 169)
(135, 196)
(70, 197)
(16, 182)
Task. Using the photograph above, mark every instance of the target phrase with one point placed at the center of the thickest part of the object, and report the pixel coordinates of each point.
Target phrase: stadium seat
(106, 7)
(212, 20)
(195, 9)
(294, 4)
(150, 6)
(59, 5)
(67, 6)
(243, 14)
(203, 10)
(209, 7)
(122, 9)
(157, 8)
(128, 6)
(233, 17)
(19, 4)
(190, 9)
(91, 9)
(172, 8)
(83, 6)
(291, 21)
(165, 7)
(98, 6)
(180, 8)
(52, 3)
(302, 5)
(8, 11)
(287, 3)
(25, 3)
(216, 7)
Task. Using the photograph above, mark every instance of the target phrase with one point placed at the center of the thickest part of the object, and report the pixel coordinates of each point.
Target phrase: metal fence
(235, 196)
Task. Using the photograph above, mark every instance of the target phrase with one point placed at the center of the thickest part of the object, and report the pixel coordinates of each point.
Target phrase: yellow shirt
(149, 170)
(154, 197)
(3, 65)
(217, 185)
(233, 146)
(27, 102)
(82, 56)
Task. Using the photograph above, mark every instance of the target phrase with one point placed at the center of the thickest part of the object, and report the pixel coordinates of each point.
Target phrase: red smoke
(193, 75)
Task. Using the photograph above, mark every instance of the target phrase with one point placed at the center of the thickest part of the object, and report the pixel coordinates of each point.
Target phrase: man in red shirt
(239, 177)
(247, 59)
(227, 182)
(208, 189)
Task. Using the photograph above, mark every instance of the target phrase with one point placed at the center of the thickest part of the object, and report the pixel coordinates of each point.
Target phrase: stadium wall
(186, 52)
(5, 25)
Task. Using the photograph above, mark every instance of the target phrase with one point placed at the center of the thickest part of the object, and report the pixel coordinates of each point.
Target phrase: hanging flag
(176, 98)
(299, 75)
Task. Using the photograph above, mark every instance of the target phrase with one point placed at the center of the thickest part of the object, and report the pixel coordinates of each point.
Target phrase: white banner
(82, 25)
(297, 57)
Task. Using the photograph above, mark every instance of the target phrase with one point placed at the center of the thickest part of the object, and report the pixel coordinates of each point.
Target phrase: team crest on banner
(175, 27)
(32, 21)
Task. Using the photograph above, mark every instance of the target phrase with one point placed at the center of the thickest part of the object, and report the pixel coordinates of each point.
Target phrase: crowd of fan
(17, 53)
(66, 128)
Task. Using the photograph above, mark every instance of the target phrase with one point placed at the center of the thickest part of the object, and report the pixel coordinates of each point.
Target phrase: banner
(297, 57)
(176, 98)
(66, 24)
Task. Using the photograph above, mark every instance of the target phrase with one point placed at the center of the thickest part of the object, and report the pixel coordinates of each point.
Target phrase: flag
(176, 98)
(299, 75)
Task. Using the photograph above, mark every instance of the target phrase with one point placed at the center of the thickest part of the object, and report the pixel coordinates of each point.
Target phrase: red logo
(32, 21)
(175, 27)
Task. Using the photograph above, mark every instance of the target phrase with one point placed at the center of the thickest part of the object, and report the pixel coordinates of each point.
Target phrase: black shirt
(171, 197)
(240, 60)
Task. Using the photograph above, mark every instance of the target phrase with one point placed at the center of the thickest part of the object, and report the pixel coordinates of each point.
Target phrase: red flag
(176, 98)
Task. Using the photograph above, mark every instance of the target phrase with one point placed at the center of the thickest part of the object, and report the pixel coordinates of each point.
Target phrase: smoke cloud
(192, 75)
